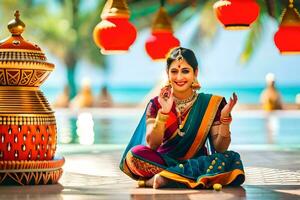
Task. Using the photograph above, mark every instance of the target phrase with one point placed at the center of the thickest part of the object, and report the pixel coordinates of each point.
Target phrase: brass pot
(28, 134)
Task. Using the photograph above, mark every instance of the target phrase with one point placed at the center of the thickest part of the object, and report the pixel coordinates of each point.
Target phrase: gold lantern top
(162, 21)
(114, 8)
(22, 63)
(290, 16)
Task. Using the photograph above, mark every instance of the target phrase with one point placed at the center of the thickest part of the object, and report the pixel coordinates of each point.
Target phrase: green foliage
(64, 27)
(64, 30)
(254, 35)
(252, 40)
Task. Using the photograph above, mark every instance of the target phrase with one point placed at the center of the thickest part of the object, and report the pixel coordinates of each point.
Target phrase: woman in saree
(183, 136)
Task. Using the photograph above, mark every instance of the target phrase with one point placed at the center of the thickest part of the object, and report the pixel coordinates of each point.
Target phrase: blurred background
(115, 88)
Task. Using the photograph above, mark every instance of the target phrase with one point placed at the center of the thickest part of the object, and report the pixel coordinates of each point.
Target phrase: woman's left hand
(229, 106)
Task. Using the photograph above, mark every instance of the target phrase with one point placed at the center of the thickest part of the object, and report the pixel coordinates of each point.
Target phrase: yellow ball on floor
(217, 187)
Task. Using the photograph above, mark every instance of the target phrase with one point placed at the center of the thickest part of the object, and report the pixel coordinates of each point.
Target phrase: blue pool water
(116, 127)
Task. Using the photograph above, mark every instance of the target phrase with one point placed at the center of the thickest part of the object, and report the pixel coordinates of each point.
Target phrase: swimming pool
(116, 125)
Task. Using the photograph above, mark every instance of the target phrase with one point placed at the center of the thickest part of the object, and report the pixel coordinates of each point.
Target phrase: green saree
(184, 159)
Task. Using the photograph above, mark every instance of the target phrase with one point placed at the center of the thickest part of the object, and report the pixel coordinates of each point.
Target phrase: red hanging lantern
(236, 14)
(162, 39)
(287, 37)
(114, 34)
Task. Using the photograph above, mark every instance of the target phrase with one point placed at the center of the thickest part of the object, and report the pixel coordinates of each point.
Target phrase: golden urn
(28, 133)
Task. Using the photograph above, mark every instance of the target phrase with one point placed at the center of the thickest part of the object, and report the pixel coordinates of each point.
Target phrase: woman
(183, 136)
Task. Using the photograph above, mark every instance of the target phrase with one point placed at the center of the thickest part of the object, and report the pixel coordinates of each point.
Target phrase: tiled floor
(269, 175)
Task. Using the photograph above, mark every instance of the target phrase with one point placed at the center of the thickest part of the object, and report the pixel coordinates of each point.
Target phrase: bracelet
(226, 120)
(164, 113)
(141, 183)
(161, 117)
(159, 127)
(150, 120)
(158, 123)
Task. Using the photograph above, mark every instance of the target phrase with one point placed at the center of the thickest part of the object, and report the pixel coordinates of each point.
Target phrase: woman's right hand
(165, 99)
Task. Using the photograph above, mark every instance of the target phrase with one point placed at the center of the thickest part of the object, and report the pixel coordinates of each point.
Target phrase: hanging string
(162, 3)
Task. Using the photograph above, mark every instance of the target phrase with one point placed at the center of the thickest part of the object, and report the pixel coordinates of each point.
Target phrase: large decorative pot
(27, 123)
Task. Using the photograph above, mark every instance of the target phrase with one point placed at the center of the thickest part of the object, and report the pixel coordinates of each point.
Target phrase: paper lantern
(115, 33)
(236, 14)
(162, 39)
(287, 37)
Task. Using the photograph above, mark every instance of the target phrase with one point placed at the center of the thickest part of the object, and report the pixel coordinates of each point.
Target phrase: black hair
(179, 53)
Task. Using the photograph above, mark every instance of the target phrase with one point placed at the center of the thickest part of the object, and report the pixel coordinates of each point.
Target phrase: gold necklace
(181, 106)
(187, 100)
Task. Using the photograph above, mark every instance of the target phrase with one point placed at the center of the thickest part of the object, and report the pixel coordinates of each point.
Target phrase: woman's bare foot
(159, 181)
(149, 182)
(156, 181)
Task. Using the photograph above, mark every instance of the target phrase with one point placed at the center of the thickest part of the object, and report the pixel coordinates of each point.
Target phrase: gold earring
(196, 85)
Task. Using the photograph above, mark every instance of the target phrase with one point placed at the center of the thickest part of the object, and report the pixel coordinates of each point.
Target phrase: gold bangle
(141, 183)
(150, 120)
(159, 128)
(161, 117)
(157, 124)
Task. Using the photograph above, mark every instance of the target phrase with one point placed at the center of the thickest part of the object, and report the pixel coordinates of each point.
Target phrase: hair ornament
(179, 57)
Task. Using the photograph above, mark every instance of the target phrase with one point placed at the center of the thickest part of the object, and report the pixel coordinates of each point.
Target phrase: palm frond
(252, 41)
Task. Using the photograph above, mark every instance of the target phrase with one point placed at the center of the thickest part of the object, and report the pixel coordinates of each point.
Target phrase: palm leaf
(252, 40)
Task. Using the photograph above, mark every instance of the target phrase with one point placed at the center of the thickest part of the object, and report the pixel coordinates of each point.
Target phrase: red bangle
(160, 110)
(165, 113)
(226, 120)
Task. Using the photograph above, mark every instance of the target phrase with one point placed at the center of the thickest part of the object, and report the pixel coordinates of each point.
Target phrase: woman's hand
(165, 99)
(229, 106)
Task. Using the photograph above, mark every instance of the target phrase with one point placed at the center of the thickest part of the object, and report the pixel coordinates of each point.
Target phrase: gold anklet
(141, 183)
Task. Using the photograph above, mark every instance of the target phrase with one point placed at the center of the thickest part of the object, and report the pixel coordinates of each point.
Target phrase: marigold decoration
(236, 14)
(287, 38)
(162, 39)
(114, 34)
(27, 123)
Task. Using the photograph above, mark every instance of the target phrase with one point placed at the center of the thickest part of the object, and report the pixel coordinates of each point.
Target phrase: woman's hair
(182, 53)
